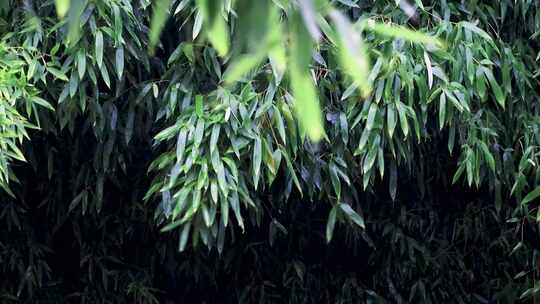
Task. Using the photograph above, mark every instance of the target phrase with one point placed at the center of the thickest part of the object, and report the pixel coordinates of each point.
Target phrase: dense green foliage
(146, 159)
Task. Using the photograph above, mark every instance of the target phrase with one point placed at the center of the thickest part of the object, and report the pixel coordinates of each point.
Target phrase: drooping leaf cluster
(188, 125)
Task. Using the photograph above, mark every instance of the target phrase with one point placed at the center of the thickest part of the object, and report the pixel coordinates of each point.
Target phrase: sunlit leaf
(62, 7)
(396, 31)
(306, 100)
(159, 17)
(352, 53)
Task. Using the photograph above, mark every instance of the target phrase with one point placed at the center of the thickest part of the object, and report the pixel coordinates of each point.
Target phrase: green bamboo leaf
(429, 70)
(380, 160)
(119, 62)
(197, 25)
(199, 132)
(353, 55)
(220, 171)
(159, 17)
(349, 91)
(531, 196)
(241, 66)
(206, 215)
(352, 215)
(224, 207)
(331, 223)
(469, 165)
(291, 126)
(335, 180)
(497, 91)
(42, 102)
(363, 141)
(171, 226)
(488, 156)
(81, 63)
(278, 119)
(181, 145)
(105, 75)
(458, 173)
(76, 8)
(31, 69)
(292, 171)
(392, 183)
(214, 137)
(469, 64)
(199, 107)
(167, 133)
(442, 110)
(117, 22)
(403, 118)
(184, 237)
(473, 28)
(344, 127)
(397, 31)
(480, 83)
(15, 151)
(62, 7)
(369, 161)
(99, 48)
(257, 157)
(214, 191)
(235, 205)
(372, 114)
(391, 120)
(57, 73)
(195, 204)
(181, 197)
(306, 101)
(73, 84)
(217, 31)
(451, 138)
(307, 105)
(182, 5)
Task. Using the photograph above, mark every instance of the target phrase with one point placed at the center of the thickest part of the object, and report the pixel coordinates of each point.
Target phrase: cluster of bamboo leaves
(19, 101)
(415, 87)
(390, 103)
(313, 99)
(386, 110)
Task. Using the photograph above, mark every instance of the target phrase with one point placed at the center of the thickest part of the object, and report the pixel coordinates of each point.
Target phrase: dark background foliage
(78, 228)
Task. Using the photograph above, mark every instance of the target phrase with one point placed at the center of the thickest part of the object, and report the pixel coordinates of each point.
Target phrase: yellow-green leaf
(159, 17)
(62, 7)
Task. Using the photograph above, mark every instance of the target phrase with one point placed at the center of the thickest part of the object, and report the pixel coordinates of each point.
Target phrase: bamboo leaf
(488, 156)
(81, 63)
(352, 215)
(119, 62)
(257, 157)
(352, 53)
(99, 48)
(497, 91)
(331, 223)
(62, 7)
(531, 196)
(58, 74)
(442, 110)
(396, 31)
(214, 137)
(429, 70)
(197, 25)
(391, 120)
(159, 17)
